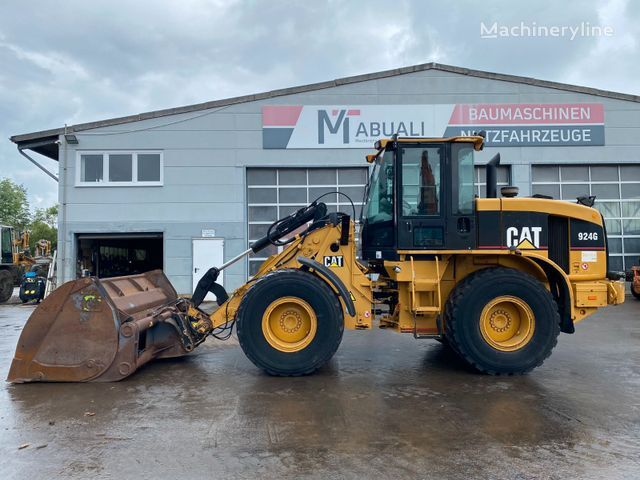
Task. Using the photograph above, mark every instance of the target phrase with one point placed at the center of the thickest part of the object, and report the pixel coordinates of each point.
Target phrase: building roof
(43, 141)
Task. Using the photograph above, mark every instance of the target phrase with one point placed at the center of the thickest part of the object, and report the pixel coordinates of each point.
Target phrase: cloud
(53, 62)
(603, 64)
(78, 61)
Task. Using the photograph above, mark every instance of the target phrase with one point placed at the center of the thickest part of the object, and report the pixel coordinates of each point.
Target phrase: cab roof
(381, 145)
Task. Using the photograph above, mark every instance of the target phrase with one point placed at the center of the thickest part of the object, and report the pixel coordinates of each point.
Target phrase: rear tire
(502, 321)
(6, 285)
(290, 323)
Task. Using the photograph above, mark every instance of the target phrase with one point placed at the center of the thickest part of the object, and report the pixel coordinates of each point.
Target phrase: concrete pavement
(387, 406)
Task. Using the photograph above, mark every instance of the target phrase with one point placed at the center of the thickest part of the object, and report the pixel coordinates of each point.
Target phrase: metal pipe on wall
(62, 213)
(21, 151)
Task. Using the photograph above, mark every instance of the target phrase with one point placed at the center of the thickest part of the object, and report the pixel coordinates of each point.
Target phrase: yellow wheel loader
(497, 279)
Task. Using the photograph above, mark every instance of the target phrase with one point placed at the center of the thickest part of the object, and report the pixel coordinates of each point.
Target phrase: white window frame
(105, 168)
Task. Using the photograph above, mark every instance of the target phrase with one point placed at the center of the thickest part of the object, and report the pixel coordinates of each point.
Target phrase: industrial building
(186, 188)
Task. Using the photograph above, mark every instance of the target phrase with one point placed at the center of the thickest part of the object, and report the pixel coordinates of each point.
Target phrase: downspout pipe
(20, 149)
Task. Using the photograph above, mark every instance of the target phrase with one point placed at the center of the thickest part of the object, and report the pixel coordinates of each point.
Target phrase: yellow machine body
(423, 286)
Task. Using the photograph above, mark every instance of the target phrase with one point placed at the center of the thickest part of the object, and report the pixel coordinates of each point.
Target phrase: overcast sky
(75, 61)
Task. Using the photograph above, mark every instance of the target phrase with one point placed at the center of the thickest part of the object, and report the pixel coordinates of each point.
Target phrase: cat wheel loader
(496, 279)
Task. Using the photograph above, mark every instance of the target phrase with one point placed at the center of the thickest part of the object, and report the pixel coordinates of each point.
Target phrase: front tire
(290, 323)
(502, 321)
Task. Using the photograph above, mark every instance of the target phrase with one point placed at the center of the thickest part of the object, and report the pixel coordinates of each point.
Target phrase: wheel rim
(289, 324)
(507, 323)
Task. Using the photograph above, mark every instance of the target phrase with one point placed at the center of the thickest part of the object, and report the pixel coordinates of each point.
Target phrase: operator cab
(420, 196)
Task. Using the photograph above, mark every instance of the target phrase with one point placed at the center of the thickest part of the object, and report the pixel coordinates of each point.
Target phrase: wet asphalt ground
(387, 406)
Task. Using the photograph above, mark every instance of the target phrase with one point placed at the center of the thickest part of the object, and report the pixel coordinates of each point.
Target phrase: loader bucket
(103, 330)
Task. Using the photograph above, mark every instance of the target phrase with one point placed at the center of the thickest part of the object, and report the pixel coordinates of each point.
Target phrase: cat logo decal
(524, 238)
(334, 261)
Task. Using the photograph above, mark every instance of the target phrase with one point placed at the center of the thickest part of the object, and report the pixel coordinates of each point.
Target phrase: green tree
(44, 226)
(47, 215)
(14, 206)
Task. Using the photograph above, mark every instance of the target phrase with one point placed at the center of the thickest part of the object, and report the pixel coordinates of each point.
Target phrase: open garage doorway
(117, 254)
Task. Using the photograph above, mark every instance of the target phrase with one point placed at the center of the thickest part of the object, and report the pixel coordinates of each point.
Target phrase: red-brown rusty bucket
(103, 330)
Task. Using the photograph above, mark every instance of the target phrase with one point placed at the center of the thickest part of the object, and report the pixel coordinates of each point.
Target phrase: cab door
(435, 207)
(420, 203)
(461, 215)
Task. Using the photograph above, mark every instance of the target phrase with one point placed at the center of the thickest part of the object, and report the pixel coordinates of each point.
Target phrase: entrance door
(207, 253)
(436, 197)
(421, 209)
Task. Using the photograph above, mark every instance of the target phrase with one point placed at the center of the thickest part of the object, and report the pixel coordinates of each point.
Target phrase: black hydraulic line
(353, 207)
(344, 230)
(288, 224)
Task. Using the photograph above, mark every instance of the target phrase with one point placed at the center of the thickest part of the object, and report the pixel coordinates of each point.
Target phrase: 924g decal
(586, 235)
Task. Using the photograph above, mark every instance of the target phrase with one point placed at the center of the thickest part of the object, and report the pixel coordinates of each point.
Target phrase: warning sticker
(589, 256)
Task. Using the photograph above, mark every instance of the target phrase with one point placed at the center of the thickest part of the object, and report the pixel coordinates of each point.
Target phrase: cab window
(380, 195)
(421, 169)
(463, 171)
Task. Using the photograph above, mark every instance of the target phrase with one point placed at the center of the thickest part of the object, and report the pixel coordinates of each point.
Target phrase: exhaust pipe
(492, 176)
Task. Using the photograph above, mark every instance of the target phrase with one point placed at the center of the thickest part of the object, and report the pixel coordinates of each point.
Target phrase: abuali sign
(507, 125)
